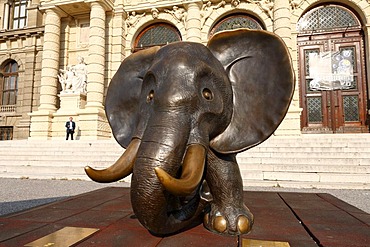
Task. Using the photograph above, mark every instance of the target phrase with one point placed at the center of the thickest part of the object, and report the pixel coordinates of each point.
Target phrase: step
(308, 160)
(303, 184)
(355, 169)
(317, 177)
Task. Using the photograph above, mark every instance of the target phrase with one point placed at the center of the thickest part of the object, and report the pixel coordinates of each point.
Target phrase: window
(6, 133)
(15, 16)
(158, 34)
(235, 22)
(9, 85)
(328, 17)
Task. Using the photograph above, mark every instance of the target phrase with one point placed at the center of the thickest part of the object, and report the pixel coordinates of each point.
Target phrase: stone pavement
(20, 194)
(104, 217)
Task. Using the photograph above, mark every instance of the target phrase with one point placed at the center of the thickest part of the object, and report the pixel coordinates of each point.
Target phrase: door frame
(327, 41)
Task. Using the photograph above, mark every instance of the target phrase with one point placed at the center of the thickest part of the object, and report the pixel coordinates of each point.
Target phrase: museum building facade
(57, 57)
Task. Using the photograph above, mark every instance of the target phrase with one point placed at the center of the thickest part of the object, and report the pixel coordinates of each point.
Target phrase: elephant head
(183, 111)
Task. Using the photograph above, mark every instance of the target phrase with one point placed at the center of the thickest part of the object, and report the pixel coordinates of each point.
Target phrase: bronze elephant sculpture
(183, 111)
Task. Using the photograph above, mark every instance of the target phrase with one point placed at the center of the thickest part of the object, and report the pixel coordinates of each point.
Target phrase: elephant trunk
(156, 207)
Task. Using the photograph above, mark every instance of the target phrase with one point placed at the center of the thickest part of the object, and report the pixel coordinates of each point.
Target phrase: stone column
(282, 27)
(96, 59)
(92, 121)
(41, 120)
(50, 62)
(193, 23)
(6, 16)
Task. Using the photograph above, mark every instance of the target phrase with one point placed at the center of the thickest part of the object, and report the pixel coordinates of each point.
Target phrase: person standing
(70, 127)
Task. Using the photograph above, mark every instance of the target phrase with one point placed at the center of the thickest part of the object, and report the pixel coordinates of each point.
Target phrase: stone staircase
(338, 161)
(309, 161)
(55, 159)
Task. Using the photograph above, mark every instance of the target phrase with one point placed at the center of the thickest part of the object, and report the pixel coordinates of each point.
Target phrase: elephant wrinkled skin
(183, 111)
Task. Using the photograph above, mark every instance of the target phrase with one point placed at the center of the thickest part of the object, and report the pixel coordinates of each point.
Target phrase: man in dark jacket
(70, 127)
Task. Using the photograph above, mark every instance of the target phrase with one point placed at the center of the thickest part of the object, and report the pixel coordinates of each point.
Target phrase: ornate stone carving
(266, 6)
(178, 13)
(235, 3)
(155, 13)
(295, 3)
(208, 9)
(133, 19)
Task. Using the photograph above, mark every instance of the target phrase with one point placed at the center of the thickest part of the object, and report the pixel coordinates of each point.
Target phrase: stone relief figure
(208, 9)
(294, 4)
(178, 13)
(155, 13)
(74, 78)
(133, 19)
(266, 6)
(235, 3)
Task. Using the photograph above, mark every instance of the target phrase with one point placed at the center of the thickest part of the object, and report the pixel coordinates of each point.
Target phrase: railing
(7, 108)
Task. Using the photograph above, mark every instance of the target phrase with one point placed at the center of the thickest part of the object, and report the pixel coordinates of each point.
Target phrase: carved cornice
(21, 33)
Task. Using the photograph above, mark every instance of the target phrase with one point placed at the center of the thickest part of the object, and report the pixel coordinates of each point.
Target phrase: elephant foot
(229, 220)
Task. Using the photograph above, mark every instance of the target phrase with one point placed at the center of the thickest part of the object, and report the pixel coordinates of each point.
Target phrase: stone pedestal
(70, 104)
(71, 101)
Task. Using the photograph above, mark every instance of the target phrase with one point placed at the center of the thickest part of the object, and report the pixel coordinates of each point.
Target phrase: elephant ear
(122, 100)
(260, 70)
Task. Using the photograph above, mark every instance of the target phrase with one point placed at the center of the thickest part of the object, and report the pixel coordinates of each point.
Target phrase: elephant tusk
(120, 169)
(192, 172)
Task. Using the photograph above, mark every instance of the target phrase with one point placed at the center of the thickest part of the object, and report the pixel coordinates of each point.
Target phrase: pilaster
(118, 39)
(6, 16)
(291, 124)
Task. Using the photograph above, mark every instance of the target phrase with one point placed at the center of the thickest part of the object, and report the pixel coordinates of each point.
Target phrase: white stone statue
(66, 78)
(74, 78)
(80, 79)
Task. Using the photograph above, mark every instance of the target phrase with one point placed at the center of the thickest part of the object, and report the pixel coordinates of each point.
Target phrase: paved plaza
(20, 194)
(104, 217)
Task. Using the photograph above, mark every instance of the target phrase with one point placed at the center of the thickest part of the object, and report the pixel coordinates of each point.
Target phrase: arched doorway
(332, 71)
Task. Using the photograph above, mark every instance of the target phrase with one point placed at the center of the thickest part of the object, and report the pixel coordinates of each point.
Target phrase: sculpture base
(72, 101)
(105, 218)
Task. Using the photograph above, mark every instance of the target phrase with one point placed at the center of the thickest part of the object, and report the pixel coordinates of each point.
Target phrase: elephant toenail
(243, 224)
(220, 224)
(206, 219)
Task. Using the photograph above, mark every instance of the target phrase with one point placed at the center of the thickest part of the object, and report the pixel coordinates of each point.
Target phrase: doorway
(332, 77)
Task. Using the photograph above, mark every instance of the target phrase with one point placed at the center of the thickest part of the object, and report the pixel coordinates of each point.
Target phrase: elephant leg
(228, 214)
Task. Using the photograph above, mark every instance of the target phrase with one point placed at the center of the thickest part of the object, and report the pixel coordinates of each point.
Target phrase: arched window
(157, 34)
(235, 22)
(328, 17)
(9, 85)
(15, 15)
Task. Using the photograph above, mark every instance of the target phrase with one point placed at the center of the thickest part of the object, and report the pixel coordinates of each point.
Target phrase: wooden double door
(332, 83)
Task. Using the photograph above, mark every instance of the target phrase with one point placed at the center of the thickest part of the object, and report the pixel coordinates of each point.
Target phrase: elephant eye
(207, 94)
(150, 96)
